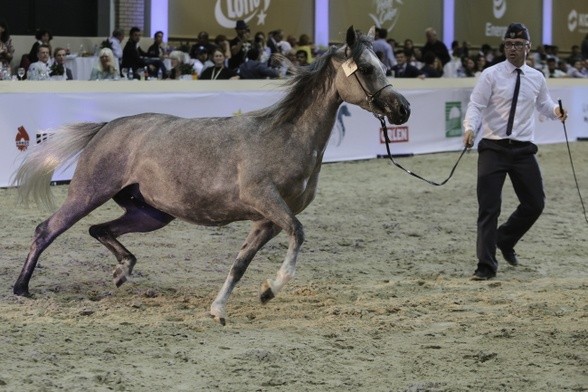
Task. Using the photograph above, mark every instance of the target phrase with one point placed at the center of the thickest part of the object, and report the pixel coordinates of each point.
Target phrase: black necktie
(513, 106)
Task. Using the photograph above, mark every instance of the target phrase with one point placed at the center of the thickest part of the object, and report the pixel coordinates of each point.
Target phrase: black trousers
(496, 160)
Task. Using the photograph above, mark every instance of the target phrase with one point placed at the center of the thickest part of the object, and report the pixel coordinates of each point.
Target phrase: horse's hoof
(119, 276)
(220, 320)
(265, 292)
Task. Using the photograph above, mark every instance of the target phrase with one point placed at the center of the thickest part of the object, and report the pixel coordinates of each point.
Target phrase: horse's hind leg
(138, 217)
(69, 213)
(260, 233)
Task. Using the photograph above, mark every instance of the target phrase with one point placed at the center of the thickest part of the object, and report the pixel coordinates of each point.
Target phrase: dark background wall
(62, 17)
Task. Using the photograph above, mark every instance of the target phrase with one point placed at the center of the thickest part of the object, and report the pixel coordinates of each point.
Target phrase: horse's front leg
(270, 288)
(260, 233)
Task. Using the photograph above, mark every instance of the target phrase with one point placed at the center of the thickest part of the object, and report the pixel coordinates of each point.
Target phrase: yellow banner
(570, 23)
(485, 21)
(403, 19)
(187, 17)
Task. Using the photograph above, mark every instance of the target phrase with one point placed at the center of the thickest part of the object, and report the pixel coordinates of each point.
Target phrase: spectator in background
(255, 69)
(6, 47)
(264, 51)
(481, 64)
(157, 50)
(43, 37)
(413, 54)
(201, 62)
(433, 45)
(116, 44)
(305, 44)
(135, 58)
(107, 66)
(240, 45)
(222, 43)
(575, 55)
(578, 70)
(432, 67)
(552, 71)
(302, 58)
(178, 68)
(58, 70)
(381, 45)
(468, 66)
(403, 69)
(202, 40)
(219, 71)
(40, 69)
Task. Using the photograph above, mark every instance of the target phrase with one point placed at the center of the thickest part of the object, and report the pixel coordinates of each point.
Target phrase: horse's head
(361, 79)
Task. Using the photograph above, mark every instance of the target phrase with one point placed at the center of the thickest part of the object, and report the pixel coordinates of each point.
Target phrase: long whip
(571, 160)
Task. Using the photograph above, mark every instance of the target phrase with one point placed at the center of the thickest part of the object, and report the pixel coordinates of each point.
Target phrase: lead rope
(387, 139)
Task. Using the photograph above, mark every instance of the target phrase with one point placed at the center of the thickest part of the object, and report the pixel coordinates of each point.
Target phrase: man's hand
(561, 116)
(468, 138)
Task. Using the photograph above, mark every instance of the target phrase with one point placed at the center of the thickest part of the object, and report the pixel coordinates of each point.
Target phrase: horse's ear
(351, 36)
(372, 33)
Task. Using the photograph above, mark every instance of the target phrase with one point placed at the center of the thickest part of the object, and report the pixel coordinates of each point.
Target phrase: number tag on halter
(349, 67)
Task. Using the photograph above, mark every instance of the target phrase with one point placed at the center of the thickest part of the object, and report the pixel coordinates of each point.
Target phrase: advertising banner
(187, 18)
(485, 21)
(569, 23)
(403, 19)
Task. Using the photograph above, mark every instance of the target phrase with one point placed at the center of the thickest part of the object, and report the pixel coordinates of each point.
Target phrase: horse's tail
(33, 177)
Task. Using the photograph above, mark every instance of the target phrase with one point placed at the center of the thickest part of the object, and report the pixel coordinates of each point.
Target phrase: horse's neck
(318, 118)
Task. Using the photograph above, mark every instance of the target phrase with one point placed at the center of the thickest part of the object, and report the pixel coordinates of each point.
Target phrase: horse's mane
(310, 81)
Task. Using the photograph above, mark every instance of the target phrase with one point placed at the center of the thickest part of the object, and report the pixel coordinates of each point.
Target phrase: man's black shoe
(483, 275)
(509, 255)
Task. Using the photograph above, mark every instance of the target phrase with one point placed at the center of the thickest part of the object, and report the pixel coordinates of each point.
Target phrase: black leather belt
(509, 142)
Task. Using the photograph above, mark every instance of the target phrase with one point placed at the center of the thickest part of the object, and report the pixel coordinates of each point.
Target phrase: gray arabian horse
(262, 166)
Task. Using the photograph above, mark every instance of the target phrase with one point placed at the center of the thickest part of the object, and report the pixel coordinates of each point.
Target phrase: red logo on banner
(22, 139)
(395, 134)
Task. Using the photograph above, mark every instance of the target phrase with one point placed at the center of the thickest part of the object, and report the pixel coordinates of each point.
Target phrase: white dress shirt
(491, 100)
(117, 49)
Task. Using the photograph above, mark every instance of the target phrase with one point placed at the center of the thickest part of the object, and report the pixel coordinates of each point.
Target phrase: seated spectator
(201, 62)
(264, 51)
(575, 55)
(468, 67)
(179, 65)
(578, 70)
(202, 40)
(116, 44)
(58, 70)
(219, 71)
(403, 69)
(481, 64)
(240, 45)
(432, 68)
(135, 58)
(222, 43)
(551, 71)
(107, 66)
(43, 37)
(157, 50)
(255, 69)
(301, 58)
(39, 70)
(6, 47)
(305, 44)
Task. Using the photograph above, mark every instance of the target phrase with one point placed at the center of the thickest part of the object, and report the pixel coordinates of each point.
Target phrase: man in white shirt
(40, 70)
(116, 44)
(503, 103)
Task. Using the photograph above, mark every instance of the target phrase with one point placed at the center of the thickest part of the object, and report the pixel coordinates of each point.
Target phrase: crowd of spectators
(247, 56)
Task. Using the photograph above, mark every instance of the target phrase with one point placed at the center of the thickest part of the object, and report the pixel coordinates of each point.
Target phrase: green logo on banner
(453, 119)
